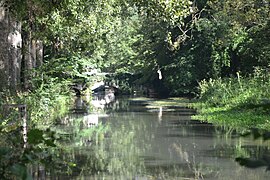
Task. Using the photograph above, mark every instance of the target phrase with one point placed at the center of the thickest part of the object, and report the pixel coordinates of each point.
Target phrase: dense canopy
(187, 41)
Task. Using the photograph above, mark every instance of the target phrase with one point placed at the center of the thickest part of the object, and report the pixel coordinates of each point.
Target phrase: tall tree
(10, 50)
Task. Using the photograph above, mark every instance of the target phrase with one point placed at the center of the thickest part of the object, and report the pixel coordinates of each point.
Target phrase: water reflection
(100, 100)
(160, 114)
(127, 140)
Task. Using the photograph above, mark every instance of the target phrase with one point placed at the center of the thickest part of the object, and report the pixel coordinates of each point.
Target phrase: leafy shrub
(236, 91)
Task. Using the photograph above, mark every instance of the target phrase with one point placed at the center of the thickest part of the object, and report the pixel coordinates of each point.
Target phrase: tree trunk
(33, 58)
(39, 53)
(15, 69)
(29, 60)
(33, 54)
(10, 52)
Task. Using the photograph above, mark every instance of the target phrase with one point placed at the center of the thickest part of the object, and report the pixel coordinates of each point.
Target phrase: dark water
(129, 140)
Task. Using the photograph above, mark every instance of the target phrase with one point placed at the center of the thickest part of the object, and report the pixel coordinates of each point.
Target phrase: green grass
(239, 101)
(239, 118)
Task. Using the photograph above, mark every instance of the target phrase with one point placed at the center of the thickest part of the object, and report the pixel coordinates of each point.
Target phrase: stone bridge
(100, 86)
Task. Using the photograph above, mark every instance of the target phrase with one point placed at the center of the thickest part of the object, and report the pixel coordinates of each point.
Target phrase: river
(130, 139)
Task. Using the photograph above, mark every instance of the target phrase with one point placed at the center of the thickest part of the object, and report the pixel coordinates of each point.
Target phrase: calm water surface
(130, 140)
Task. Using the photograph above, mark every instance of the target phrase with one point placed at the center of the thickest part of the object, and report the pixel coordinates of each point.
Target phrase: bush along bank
(236, 101)
(43, 106)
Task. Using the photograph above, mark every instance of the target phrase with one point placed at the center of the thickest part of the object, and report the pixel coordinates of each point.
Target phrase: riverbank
(234, 117)
(42, 107)
(237, 102)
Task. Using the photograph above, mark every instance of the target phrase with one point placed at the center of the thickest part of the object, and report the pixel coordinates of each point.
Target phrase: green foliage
(237, 101)
(119, 54)
(44, 105)
(104, 34)
(15, 158)
(222, 43)
(240, 47)
(187, 41)
(172, 11)
(255, 49)
(47, 105)
(236, 91)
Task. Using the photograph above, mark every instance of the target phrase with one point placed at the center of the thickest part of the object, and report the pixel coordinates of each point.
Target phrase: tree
(19, 23)
(10, 50)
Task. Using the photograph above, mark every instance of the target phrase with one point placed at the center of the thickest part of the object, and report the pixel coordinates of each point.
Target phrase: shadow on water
(132, 139)
(260, 157)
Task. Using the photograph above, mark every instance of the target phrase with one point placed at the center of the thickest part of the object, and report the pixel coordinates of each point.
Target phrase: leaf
(29, 157)
(20, 171)
(4, 151)
(35, 136)
(50, 143)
